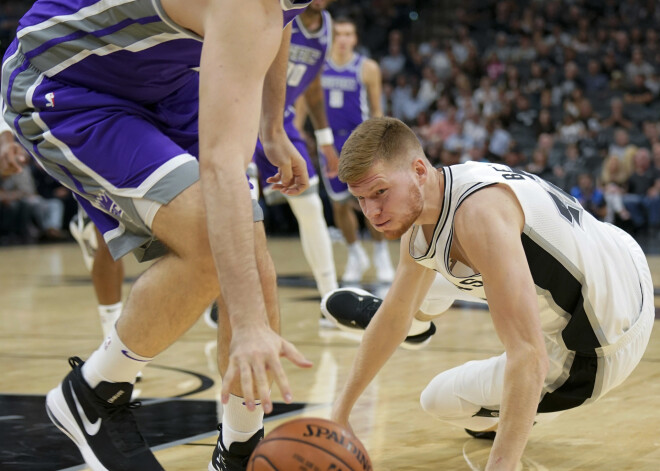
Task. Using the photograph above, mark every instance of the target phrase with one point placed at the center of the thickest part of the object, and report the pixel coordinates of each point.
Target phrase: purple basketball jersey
(307, 53)
(345, 97)
(128, 48)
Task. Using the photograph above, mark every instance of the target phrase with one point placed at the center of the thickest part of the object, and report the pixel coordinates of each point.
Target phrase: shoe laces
(123, 427)
(368, 307)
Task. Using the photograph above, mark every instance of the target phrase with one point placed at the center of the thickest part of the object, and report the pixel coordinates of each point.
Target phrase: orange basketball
(310, 444)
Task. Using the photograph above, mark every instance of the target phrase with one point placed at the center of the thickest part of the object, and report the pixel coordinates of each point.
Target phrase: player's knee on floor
(433, 307)
(444, 405)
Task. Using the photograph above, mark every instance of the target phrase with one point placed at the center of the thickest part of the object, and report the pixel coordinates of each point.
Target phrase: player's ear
(421, 172)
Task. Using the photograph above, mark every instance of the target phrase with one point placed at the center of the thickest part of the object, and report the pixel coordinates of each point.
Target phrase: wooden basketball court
(48, 313)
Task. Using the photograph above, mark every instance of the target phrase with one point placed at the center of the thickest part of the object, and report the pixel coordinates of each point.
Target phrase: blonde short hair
(377, 140)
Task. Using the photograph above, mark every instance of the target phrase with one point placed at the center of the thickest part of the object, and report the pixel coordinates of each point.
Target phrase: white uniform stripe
(110, 48)
(81, 14)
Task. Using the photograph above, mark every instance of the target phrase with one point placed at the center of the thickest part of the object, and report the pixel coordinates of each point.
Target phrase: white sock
(357, 250)
(315, 240)
(380, 247)
(239, 423)
(109, 313)
(113, 362)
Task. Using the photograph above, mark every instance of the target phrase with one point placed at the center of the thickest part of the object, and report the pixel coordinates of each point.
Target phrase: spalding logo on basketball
(310, 444)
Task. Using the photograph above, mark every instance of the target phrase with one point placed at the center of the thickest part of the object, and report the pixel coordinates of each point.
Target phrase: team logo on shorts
(104, 202)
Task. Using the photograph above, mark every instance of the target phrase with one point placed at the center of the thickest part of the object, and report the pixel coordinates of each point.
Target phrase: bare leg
(346, 220)
(107, 274)
(358, 260)
(171, 294)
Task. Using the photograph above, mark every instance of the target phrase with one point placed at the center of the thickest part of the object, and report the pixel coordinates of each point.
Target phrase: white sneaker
(383, 265)
(82, 229)
(356, 265)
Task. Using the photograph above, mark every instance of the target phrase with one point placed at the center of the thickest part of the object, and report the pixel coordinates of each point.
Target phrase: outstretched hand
(292, 177)
(253, 353)
(12, 159)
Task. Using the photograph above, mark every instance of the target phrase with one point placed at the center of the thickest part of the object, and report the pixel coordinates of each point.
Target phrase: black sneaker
(211, 315)
(238, 455)
(482, 435)
(100, 422)
(353, 309)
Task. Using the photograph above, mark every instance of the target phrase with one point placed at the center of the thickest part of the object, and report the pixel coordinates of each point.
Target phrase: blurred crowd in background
(567, 90)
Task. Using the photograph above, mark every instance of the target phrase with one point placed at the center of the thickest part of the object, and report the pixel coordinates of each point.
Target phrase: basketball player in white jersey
(571, 298)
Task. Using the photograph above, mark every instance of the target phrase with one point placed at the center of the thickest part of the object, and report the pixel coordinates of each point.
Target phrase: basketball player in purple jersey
(310, 39)
(352, 86)
(107, 97)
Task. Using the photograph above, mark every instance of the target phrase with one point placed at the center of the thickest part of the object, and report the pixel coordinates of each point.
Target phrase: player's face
(345, 37)
(390, 198)
(318, 5)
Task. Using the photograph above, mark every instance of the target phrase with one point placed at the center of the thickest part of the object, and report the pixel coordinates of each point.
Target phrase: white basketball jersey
(588, 284)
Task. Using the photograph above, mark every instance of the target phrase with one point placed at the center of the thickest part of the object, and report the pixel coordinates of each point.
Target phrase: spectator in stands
(617, 117)
(537, 81)
(404, 103)
(16, 214)
(539, 165)
(638, 93)
(498, 141)
(501, 48)
(56, 205)
(638, 66)
(447, 126)
(394, 61)
(464, 98)
(525, 114)
(571, 80)
(544, 123)
(566, 172)
(650, 49)
(440, 63)
(525, 51)
(429, 89)
(651, 134)
(495, 68)
(622, 148)
(642, 200)
(589, 196)
(595, 81)
(587, 116)
(614, 180)
(609, 63)
(571, 130)
(487, 97)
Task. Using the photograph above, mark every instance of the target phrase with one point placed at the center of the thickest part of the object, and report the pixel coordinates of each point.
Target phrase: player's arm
(494, 249)
(292, 177)
(387, 329)
(234, 63)
(315, 101)
(373, 81)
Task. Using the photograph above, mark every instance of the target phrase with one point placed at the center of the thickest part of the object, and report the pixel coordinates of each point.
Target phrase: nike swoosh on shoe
(91, 428)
